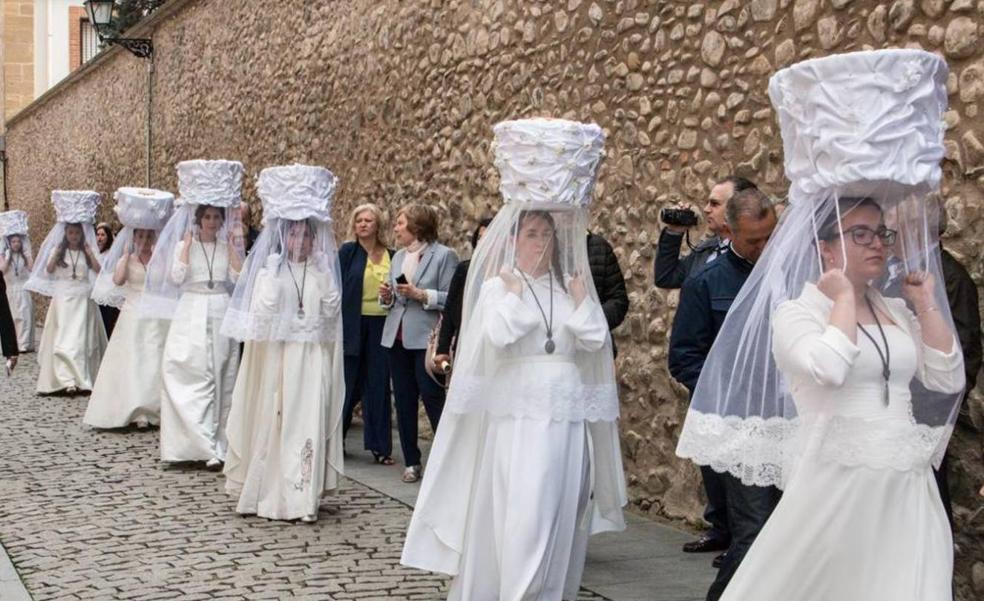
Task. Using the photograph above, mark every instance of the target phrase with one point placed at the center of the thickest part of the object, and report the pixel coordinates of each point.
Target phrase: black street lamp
(101, 15)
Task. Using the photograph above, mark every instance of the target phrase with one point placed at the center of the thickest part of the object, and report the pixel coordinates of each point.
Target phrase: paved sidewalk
(90, 514)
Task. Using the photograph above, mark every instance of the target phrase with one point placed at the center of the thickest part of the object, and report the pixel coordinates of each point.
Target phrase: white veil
(136, 208)
(865, 125)
(72, 207)
(550, 173)
(14, 223)
(267, 301)
(210, 183)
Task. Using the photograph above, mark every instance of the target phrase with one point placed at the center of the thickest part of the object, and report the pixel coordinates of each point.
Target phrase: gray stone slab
(11, 587)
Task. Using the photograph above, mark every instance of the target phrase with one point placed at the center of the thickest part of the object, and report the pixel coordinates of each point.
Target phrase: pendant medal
(549, 346)
(300, 312)
(210, 284)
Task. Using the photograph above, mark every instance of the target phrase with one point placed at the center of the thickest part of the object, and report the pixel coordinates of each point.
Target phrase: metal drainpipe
(150, 98)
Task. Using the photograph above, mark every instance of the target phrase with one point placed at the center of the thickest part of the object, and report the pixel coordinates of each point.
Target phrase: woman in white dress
(189, 279)
(837, 373)
(16, 263)
(73, 339)
(526, 463)
(284, 430)
(128, 387)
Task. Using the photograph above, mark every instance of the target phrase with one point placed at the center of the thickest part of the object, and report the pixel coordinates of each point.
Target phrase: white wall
(51, 57)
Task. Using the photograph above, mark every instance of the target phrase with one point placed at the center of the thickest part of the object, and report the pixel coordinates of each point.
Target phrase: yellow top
(374, 275)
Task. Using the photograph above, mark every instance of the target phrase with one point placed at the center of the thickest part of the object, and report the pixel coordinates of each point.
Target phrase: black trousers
(716, 510)
(749, 507)
(943, 483)
(367, 380)
(411, 384)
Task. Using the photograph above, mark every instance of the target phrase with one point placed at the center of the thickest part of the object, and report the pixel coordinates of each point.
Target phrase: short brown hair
(422, 221)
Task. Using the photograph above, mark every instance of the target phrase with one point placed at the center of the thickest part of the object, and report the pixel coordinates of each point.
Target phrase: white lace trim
(313, 327)
(559, 400)
(57, 287)
(765, 452)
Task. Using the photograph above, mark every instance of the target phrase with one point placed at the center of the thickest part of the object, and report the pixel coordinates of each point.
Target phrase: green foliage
(130, 12)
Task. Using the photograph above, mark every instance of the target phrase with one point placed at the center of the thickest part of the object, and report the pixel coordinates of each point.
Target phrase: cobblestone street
(87, 514)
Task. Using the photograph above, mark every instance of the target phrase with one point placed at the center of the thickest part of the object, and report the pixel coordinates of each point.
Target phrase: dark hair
(484, 222)
(830, 228)
(738, 183)
(749, 201)
(109, 234)
(200, 212)
(422, 221)
(525, 216)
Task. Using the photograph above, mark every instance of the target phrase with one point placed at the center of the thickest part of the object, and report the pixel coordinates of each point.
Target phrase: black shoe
(716, 564)
(705, 544)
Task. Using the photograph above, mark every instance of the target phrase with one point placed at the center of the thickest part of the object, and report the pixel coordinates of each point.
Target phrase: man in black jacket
(734, 510)
(8, 332)
(670, 269)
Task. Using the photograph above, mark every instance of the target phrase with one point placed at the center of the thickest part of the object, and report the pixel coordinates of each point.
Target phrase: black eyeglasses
(863, 235)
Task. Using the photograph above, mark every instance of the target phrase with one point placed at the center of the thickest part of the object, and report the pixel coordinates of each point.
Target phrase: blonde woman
(365, 263)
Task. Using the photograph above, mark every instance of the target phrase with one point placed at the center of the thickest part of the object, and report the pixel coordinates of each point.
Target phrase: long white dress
(198, 370)
(73, 340)
(21, 304)
(285, 445)
(860, 519)
(128, 387)
(509, 500)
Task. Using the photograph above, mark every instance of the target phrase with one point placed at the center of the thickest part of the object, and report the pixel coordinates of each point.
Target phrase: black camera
(680, 217)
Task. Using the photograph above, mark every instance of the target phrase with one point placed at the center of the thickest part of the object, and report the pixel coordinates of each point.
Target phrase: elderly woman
(415, 293)
(365, 264)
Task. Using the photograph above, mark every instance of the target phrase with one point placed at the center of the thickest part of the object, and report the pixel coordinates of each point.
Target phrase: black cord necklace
(886, 357)
(209, 263)
(299, 289)
(549, 345)
(75, 261)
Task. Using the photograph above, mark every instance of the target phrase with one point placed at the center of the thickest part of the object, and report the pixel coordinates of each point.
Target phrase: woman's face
(102, 240)
(212, 220)
(404, 237)
(143, 240)
(73, 235)
(864, 261)
(366, 226)
(534, 244)
(15, 243)
(300, 241)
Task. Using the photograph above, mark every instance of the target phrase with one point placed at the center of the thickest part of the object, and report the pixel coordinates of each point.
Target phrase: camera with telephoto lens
(680, 217)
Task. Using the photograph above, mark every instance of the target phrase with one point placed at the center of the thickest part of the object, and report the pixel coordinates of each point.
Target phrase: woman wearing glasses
(830, 379)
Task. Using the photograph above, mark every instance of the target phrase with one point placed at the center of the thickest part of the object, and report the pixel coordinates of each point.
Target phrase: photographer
(669, 268)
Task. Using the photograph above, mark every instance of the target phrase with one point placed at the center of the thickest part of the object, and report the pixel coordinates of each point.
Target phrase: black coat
(352, 258)
(670, 269)
(451, 322)
(961, 294)
(705, 300)
(8, 333)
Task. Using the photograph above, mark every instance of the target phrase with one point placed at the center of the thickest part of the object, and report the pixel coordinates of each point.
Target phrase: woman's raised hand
(918, 290)
(834, 284)
(578, 290)
(511, 281)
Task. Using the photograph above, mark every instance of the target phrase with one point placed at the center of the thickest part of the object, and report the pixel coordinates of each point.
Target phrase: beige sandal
(411, 474)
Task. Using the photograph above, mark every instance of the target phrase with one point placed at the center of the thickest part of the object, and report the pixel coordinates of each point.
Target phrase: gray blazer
(433, 275)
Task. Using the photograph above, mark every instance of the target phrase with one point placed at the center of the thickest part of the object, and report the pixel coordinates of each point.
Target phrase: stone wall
(17, 30)
(398, 98)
